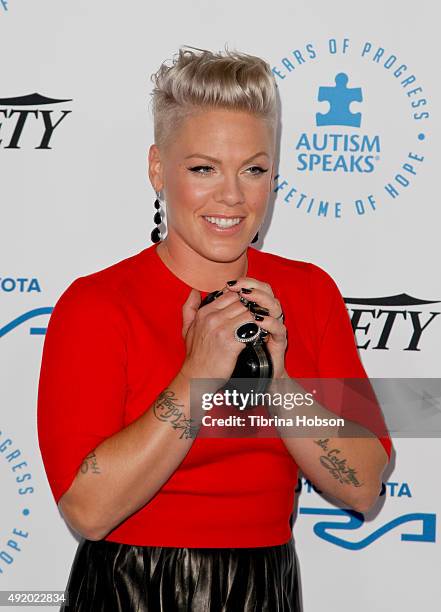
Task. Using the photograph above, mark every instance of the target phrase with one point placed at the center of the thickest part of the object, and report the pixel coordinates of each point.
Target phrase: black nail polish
(258, 317)
(261, 311)
(253, 303)
(231, 283)
(246, 290)
(244, 301)
(218, 293)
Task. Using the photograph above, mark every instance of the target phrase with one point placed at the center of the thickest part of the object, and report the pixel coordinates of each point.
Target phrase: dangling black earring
(156, 234)
(255, 239)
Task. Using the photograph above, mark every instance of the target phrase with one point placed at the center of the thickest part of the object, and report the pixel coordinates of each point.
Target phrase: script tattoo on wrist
(166, 408)
(337, 466)
(90, 464)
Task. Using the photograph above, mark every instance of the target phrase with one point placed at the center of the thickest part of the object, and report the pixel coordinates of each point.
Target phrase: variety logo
(36, 121)
(374, 319)
(371, 97)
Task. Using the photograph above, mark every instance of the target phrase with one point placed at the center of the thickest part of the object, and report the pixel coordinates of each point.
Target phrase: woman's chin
(224, 251)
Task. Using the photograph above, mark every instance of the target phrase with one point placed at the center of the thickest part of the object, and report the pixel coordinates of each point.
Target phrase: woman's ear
(155, 168)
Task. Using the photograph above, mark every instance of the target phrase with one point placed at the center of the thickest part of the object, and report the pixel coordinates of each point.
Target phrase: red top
(114, 341)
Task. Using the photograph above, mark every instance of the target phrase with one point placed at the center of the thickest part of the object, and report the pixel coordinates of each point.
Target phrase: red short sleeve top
(114, 342)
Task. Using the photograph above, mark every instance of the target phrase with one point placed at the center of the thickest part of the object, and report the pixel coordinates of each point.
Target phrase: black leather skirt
(111, 577)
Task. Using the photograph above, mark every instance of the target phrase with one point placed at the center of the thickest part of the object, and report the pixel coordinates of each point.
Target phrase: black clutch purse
(254, 369)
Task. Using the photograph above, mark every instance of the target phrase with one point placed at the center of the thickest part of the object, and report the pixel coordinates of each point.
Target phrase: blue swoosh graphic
(34, 331)
(356, 520)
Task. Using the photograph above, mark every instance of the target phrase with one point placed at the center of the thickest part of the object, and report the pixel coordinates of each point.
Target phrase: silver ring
(246, 335)
(280, 317)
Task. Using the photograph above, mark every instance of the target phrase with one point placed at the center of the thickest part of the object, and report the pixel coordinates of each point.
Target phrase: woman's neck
(196, 270)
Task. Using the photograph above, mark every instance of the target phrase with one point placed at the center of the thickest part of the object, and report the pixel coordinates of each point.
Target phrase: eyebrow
(213, 159)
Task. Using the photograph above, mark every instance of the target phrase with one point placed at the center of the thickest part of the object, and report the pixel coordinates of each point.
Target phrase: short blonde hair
(235, 80)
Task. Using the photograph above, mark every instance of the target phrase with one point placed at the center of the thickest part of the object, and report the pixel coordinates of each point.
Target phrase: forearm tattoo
(337, 466)
(90, 464)
(166, 408)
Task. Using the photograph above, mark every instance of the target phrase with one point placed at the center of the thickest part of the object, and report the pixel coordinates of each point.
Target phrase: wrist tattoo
(90, 464)
(166, 408)
(337, 466)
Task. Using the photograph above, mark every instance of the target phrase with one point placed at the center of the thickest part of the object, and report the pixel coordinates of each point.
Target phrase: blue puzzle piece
(339, 98)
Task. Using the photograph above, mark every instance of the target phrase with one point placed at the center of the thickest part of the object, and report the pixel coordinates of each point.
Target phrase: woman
(169, 520)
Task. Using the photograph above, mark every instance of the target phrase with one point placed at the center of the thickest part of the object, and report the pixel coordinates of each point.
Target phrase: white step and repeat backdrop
(356, 193)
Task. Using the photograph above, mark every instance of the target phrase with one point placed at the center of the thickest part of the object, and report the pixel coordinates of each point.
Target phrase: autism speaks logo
(346, 152)
(354, 128)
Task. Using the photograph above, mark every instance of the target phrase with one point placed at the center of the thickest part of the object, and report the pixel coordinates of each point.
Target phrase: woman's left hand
(276, 340)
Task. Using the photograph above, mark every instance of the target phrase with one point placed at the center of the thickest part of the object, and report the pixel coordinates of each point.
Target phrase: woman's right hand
(212, 349)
